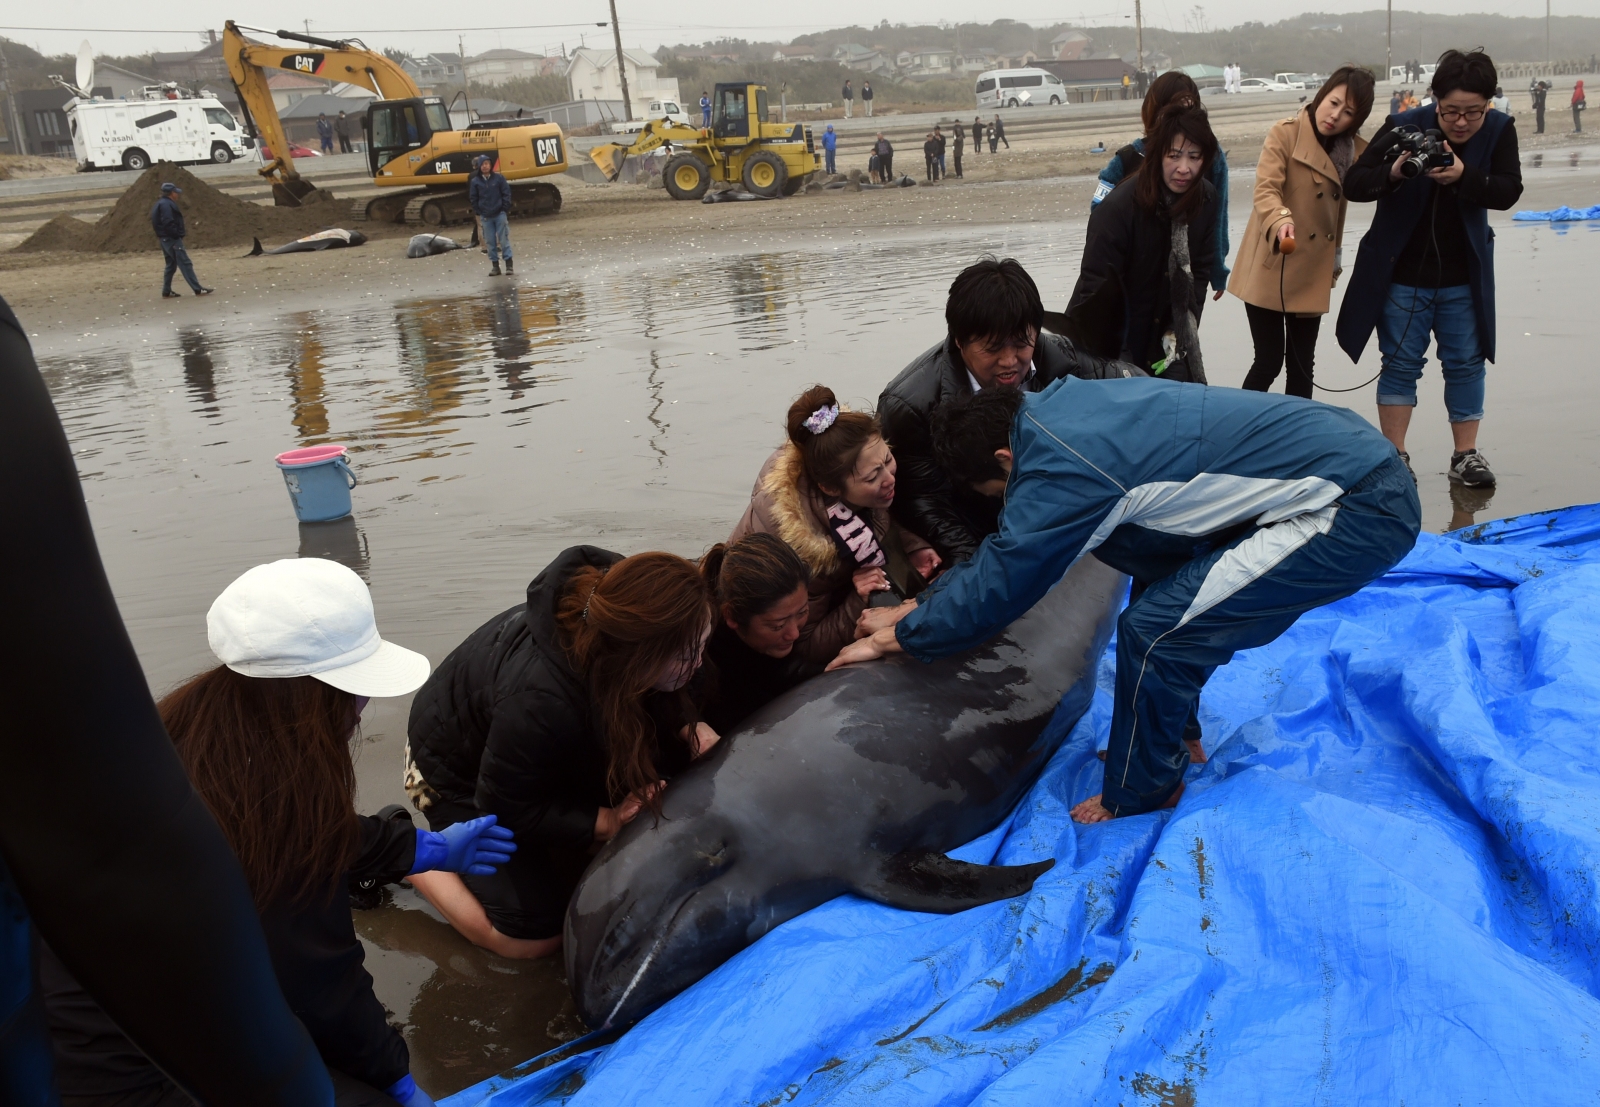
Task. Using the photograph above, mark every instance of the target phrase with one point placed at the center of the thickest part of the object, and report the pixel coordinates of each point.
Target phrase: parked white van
(135, 134)
(1015, 88)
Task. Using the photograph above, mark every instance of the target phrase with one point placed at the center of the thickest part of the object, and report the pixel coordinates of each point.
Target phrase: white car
(1261, 84)
(658, 110)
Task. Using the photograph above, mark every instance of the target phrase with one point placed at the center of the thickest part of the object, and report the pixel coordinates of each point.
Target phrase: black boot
(509, 270)
(494, 270)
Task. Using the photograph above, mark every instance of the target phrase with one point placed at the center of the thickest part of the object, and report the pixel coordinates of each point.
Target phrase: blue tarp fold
(1381, 889)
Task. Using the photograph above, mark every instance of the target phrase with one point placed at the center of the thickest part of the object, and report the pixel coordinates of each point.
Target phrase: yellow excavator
(411, 145)
(740, 146)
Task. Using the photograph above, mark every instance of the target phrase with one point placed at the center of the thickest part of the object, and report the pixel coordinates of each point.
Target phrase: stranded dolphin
(427, 245)
(856, 781)
(331, 239)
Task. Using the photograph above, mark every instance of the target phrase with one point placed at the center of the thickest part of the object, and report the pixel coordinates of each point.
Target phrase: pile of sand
(212, 217)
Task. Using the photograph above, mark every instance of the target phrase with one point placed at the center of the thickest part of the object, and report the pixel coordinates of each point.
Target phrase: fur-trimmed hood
(796, 511)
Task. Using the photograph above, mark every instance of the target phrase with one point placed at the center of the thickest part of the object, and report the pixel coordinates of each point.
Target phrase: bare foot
(1091, 811)
(1196, 753)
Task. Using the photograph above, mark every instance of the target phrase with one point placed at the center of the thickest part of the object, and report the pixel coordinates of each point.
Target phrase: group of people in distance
(995, 459)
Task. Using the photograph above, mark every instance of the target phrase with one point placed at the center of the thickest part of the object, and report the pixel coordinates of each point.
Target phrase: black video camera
(1420, 151)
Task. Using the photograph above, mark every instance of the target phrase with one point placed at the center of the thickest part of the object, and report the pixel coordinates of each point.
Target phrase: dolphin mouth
(644, 965)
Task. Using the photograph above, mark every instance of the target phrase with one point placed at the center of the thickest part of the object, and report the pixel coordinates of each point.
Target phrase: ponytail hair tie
(822, 418)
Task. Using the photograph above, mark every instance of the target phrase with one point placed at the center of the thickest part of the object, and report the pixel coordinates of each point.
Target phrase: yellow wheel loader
(411, 146)
(741, 146)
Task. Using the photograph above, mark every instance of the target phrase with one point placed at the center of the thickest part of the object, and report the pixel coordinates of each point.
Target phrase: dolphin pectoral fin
(922, 880)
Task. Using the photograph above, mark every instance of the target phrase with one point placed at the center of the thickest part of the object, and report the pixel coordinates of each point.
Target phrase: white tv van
(1015, 88)
(135, 134)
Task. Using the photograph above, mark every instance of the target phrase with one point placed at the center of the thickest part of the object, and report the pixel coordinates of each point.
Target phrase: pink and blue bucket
(319, 481)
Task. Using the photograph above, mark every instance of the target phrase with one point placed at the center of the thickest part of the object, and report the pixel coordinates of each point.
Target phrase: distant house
(592, 75)
(288, 89)
(45, 121)
(931, 62)
(795, 54)
(495, 67)
(1071, 45)
(1336, 28)
(432, 70)
(112, 82)
(300, 119)
(976, 61)
(855, 56)
(197, 69)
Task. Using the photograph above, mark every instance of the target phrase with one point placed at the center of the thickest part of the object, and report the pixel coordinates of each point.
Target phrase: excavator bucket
(609, 158)
(296, 192)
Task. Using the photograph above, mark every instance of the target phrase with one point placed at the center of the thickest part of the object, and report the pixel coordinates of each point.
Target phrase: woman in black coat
(1141, 289)
(563, 717)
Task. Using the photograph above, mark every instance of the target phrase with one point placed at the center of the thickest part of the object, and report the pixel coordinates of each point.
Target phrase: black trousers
(958, 161)
(1279, 337)
(1538, 121)
(344, 144)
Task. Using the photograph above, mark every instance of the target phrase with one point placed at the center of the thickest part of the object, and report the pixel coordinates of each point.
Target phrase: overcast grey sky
(119, 27)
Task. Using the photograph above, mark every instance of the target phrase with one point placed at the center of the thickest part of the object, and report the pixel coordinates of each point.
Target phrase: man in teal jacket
(1233, 512)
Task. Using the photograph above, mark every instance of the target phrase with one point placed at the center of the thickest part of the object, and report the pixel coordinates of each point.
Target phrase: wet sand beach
(622, 390)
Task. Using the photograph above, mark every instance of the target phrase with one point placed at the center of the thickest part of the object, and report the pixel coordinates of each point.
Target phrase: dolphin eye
(715, 858)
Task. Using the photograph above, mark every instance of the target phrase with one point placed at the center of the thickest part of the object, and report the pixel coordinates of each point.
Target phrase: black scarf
(853, 535)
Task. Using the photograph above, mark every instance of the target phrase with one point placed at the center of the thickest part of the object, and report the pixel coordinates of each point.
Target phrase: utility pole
(466, 82)
(1138, 30)
(1548, 58)
(622, 69)
(1388, 50)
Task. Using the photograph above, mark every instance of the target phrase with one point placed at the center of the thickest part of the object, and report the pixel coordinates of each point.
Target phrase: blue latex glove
(476, 846)
(405, 1091)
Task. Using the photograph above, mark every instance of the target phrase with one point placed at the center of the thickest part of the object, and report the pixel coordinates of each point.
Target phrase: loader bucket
(609, 158)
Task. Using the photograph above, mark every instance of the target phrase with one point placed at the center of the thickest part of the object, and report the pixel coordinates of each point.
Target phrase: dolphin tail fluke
(921, 880)
(255, 250)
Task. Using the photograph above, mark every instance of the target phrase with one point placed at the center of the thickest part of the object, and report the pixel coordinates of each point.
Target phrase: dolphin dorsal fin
(922, 880)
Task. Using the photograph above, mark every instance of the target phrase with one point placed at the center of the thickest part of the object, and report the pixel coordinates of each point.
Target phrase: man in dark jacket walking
(960, 141)
(993, 316)
(930, 157)
(167, 219)
(1426, 268)
(997, 134)
(866, 97)
(325, 132)
(490, 196)
(341, 129)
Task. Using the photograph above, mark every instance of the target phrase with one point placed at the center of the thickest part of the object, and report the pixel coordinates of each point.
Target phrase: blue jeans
(497, 236)
(828, 158)
(1409, 316)
(177, 260)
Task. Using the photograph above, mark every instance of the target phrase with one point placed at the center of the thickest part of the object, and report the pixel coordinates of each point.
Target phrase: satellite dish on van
(86, 68)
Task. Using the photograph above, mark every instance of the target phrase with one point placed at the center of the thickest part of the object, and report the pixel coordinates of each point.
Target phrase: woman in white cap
(265, 738)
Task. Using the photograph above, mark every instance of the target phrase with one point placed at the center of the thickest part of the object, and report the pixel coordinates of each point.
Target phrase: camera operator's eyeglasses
(1471, 115)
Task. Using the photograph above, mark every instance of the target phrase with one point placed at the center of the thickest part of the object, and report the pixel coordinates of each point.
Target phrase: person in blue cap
(167, 219)
(489, 193)
(830, 143)
(1245, 511)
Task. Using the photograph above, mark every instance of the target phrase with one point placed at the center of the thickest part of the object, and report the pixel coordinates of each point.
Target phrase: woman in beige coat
(1299, 198)
(826, 493)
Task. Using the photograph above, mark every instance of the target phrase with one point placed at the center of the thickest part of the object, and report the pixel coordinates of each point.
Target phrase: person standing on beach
(325, 132)
(939, 143)
(997, 133)
(341, 129)
(960, 141)
(1539, 91)
(930, 157)
(167, 219)
(490, 196)
(977, 136)
(1579, 103)
(830, 144)
(866, 97)
(885, 154)
(849, 95)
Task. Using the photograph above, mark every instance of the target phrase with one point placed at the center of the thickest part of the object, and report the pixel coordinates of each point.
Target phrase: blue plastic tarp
(1559, 215)
(1381, 889)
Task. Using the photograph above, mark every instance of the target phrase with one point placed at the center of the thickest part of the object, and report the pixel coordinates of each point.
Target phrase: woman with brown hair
(266, 738)
(1151, 248)
(762, 603)
(563, 716)
(1299, 209)
(826, 493)
(1173, 86)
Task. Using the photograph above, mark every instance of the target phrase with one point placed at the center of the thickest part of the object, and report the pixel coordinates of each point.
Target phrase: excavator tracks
(440, 208)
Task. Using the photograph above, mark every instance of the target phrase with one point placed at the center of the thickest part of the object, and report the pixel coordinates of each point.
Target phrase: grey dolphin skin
(332, 239)
(856, 781)
(428, 245)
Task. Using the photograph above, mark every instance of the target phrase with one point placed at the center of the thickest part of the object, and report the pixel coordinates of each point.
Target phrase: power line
(368, 31)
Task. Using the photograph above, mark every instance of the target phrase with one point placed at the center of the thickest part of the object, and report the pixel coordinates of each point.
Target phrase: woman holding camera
(826, 492)
(1299, 209)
